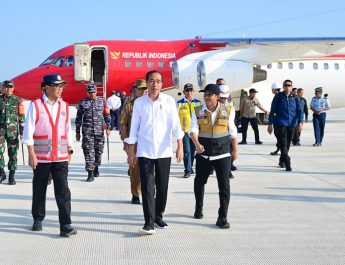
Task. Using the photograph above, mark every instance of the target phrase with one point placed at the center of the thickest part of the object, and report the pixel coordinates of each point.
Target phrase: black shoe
(95, 172)
(223, 223)
(258, 142)
(231, 176)
(275, 153)
(186, 175)
(2, 175)
(90, 176)
(242, 142)
(67, 230)
(11, 180)
(233, 168)
(288, 168)
(160, 223)
(198, 214)
(37, 226)
(147, 230)
(135, 200)
(282, 164)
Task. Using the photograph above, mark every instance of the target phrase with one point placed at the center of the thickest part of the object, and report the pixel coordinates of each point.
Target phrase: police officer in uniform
(11, 126)
(186, 108)
(93, 116)
(212, 127)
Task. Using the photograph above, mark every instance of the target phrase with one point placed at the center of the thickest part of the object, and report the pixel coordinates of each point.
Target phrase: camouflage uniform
(11, 125)
(93, 120)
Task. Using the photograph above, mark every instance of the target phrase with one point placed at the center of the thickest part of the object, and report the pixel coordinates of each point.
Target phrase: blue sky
(32, 30)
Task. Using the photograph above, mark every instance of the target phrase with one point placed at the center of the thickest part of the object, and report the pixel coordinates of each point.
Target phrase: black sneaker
(223, 223)
(198, 214)
(288, 168)
(242, 142)
(258, 142)
(37, 226)
(186, 175)
(275, 153)
(147, 230)
(67, 230)
(135, 200)
(231, 176)
(233, 168)
(160, 223)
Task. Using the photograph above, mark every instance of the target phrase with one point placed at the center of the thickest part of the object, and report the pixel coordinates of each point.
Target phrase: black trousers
(285, 134)
(275, 131)
(203, 169)
(154, 172)
(59, 171)
(254, 124)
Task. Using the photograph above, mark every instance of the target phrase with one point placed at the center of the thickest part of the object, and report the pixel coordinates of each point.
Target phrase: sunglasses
(287, 85)
(188, 90)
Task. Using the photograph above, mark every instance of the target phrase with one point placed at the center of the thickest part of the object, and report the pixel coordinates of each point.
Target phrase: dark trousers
(154, 208)
(188, 153)
(59, 172)
(285, 134)
(296, 136)
(275, 131)
(319, 122)
(254, 124)
(203, 169)
(115, 119)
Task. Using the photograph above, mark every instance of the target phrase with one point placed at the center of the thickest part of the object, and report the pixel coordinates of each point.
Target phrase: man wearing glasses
(93, 117)
(11, 127)
(286, 114)
(319, 106)
(48, 135)
(212, 129)
(186, 108)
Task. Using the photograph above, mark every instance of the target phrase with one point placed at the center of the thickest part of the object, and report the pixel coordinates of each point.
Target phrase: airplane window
(280, 66)
(47, 61)
(290, 65)
(139, 63)
(160, 64)
(128, 63)
(301, 65)
(150, 64)
(336, 66)
(59, 61)
(325, 66)
(315, 66)
(269, 66)
(69, 61)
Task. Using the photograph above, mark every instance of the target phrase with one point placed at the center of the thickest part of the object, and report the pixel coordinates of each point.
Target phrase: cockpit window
(48, 61)
(59, 61)
(69, 61)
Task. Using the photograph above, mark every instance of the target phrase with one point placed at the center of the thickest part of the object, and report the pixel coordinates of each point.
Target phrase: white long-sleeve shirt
(30, 121)
(194, 127)
(154, 125)
(114, 102)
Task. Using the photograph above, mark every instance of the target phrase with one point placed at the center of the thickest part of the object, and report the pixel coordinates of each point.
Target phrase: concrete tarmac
(276, 217)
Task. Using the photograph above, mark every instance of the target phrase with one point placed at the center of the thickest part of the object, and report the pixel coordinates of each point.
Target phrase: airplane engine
(237, 74)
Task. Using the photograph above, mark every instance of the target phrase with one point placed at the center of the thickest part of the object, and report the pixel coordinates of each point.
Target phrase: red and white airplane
(242, 62)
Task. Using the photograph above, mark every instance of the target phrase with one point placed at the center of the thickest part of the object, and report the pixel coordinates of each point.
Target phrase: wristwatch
(70, 152)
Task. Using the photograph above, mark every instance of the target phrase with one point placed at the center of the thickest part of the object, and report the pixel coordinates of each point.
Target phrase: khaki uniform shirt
(249, 106)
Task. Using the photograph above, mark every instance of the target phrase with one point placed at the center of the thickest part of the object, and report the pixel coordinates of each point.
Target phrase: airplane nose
(28, 84)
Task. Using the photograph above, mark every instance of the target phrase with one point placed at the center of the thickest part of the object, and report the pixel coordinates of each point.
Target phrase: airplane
(242, 62)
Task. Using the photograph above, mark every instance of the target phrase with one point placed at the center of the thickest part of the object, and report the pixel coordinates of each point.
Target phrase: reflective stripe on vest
(185, 113)
(50, 140)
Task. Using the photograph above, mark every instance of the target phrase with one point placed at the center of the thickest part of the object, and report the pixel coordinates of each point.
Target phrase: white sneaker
(146, 230)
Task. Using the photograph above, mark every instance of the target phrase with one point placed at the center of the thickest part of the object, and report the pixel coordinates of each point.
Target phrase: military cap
(140, 83)
(54, 79)
(91, 88)
(8, 83)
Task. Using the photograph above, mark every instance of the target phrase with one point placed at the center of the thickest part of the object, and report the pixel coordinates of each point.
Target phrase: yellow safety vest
(185, 112)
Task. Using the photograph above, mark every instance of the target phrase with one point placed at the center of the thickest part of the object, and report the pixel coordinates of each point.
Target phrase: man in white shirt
(155, 122)
(48, 135)
(212, 126)
(114, 105)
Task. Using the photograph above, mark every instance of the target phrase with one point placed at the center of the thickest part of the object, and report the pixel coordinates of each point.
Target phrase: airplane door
(82, 62)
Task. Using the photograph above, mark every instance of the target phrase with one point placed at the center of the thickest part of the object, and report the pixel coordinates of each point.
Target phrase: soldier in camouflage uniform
(11, 126)
(93, 116)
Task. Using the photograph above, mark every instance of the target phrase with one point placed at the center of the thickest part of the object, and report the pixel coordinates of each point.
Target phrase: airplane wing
(266, 50)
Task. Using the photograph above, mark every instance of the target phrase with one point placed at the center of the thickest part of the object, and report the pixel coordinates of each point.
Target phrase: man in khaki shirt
(248, 114)
(139, 89)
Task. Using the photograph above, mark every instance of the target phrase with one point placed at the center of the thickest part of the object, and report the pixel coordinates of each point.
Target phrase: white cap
(224, 91)
(275, 86)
